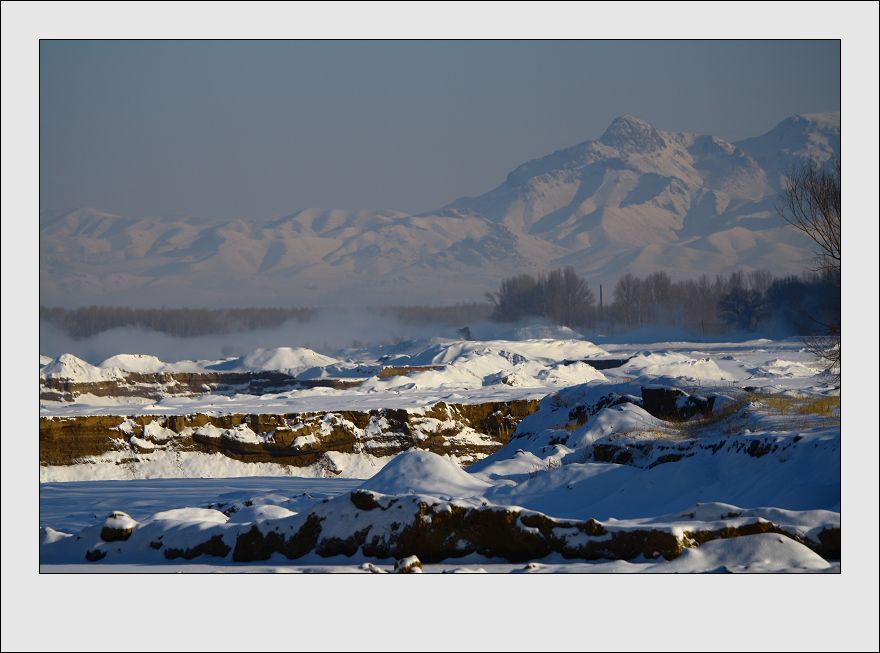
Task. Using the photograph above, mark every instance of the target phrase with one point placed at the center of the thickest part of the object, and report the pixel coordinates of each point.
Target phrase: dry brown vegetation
(826, 406)
(403, 370)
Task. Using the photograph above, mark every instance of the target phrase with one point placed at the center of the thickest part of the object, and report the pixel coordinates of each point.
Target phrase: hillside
(636, 199)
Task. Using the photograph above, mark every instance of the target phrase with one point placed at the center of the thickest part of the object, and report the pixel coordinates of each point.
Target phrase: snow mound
(673, 365)
(290, 360)
(545, 350)
(421, 472)
(260, 513)
(625, 418)
(45, 360)
(573, 374)
(468, 364)
(785, 368)
(118, 519)
(140, 363)
(71, 368)
(206, 515)
(765, 552)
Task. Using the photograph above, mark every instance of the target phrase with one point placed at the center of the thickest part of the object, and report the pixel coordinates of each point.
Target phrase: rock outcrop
(298, 439)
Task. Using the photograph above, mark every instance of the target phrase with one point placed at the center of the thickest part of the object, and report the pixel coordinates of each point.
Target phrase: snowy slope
(599, 470)
(140, 363)
(638, 199)
(71, 368)
(807, 137)
(289, 360)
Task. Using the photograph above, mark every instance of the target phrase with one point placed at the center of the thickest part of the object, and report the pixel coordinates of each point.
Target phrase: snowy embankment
(404, 398)
(414, 375)
(295, 377)
(707, 482)
(447, 517)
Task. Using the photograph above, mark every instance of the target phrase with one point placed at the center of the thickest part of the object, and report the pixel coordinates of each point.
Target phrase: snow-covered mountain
(637, 199)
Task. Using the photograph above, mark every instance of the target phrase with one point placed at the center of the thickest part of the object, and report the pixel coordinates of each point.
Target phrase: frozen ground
(743, 475)
(467, 372)
(68, 506)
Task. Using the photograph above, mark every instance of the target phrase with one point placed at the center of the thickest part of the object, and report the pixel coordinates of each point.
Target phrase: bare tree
(811, 203)
(560, 295)
(743, 308)
(626, 294)
(568, 300)
(518, 296)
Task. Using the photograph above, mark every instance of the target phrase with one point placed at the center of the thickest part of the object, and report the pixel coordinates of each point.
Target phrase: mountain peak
(827, 120)
(629, 133)
(629, 120)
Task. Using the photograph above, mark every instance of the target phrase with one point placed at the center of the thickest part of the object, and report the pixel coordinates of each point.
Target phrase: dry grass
(825, 406)
(695, 427)
(779, 404)
(786, 405)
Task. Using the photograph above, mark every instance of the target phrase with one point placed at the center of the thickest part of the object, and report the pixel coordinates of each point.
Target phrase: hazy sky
(217, 130)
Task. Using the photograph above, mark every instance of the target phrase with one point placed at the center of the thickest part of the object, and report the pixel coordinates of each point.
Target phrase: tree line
(743, 301)
(748, 301)
(183, 322)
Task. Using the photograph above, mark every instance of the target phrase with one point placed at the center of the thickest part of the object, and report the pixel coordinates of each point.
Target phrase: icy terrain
(424, 372)
(686, 457)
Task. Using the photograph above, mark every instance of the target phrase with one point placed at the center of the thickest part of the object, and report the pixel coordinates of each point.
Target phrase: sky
(216, 130)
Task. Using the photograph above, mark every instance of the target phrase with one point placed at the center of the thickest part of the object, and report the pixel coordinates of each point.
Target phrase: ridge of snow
(71, 368)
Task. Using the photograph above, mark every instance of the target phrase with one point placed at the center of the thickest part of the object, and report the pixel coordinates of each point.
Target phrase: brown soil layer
(388, 372)
(69, 440)
(155, 386)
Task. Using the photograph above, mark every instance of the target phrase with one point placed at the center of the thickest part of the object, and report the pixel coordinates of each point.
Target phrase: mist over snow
(339, 333)
(331, 332)
(328, 332)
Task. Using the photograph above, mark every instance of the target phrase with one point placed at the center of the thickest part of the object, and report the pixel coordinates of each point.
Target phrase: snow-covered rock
(70, 368)
(422, 472)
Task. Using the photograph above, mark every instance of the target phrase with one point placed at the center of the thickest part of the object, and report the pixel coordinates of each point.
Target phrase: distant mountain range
(636, 199)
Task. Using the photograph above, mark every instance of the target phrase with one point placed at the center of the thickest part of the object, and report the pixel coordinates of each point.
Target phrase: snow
(240, 433)
(538, 350)
(140, 443)
(191, 514)
(483, 371)
(73, 506)
(141, 363)
(251, 514)
(469, 365)
(786, 368)
(158, 433)
(168, 463)
(70, 368)
(765, 552)
(422, 472)
(673, 364)
(118, 520)
(292, 361)
(743, 466)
